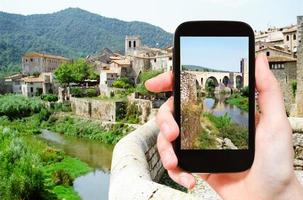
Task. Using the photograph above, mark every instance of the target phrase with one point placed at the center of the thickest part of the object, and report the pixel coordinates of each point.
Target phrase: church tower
(132, 43)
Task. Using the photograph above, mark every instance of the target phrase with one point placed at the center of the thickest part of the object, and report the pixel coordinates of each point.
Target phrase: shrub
(91, 92)
(49, 97)
(61, 177)
(21, 176)
(294, 87)
(122, 82)
(17, 106)
(245, 91)
(76, 92)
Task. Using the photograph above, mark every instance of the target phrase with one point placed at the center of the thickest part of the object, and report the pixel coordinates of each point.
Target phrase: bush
(294, 87)
(49, 97)
(91, 92)
(17, 106)
(245, 91)
(122, 82)
(61, 177)
(21, 176)
(76, 91)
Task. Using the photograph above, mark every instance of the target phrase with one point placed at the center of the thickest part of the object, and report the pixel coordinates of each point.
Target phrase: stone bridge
(229, 79)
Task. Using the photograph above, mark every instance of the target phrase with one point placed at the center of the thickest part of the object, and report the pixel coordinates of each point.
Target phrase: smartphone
(214, 96)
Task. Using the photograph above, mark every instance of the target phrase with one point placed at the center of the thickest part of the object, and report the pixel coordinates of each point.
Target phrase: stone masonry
(299, 94)
(188, 88)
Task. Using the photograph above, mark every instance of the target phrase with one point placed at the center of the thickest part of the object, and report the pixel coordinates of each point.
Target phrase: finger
(166, 152)
(270, 97)
(183, 178)
(160, 83)
(166, 121)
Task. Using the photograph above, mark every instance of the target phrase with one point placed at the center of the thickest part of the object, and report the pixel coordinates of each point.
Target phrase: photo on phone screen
(214, 88)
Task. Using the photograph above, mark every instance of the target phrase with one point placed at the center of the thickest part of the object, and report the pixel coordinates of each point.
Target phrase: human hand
(271, 175)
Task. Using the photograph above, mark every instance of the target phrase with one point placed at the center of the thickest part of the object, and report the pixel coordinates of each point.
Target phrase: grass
(239, 101)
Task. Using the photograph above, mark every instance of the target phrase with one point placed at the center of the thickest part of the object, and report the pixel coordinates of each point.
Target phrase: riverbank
(238, 100)
(30, 169)
(39, 170)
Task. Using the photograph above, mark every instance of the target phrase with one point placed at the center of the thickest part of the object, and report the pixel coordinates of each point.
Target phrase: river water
(93, 185)
(216, 105)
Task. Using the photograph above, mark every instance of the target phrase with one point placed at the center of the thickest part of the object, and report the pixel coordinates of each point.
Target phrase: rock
(296, 124)
(297, 139)
(299, 152)
(228, 144)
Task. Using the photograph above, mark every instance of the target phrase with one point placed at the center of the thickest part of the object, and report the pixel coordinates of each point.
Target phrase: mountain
(72, 33)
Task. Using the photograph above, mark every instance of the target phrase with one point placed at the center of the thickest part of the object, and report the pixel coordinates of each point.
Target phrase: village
(38, 78)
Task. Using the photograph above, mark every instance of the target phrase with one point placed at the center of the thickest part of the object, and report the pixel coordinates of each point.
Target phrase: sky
(220, 53)
(168, 14)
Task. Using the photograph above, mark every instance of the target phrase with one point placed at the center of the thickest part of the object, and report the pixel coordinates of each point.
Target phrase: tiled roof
(43, 55)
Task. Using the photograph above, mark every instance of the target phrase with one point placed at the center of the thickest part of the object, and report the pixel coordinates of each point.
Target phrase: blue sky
(168, 14)
(220, 53)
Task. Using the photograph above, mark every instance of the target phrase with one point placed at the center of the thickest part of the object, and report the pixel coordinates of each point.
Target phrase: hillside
(72, 33)
(198, 68)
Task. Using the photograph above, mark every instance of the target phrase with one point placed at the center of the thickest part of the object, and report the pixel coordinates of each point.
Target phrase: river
(93, 185)
(216, 105)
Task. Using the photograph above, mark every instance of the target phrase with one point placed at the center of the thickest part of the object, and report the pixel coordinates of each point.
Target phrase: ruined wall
(145, 106)
(188, 88)
(95, 109)
(299, 95)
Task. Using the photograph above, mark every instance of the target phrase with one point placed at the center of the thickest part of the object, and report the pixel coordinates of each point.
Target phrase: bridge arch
(226, 81)
(211, 82)
(239, 81)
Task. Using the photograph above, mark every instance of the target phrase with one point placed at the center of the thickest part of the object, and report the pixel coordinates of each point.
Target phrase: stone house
(39, 62)
(285, 71)
(14, 81)
(274, 51)
(33, 86)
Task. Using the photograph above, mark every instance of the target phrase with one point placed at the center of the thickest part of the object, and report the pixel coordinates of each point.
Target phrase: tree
(75, 72)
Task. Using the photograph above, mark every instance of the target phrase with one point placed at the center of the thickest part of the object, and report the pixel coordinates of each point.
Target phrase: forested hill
(72, 33)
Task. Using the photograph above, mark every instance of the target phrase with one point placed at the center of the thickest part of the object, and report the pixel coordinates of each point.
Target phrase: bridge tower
(244, 71)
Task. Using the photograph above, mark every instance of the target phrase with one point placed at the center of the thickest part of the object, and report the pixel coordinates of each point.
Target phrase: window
(155, 60)
(129, 44)
(31, 60)
(287, 38)
(268, 53)
(26, 60)
(32, 89)
(294, 37)
(170, 58)
(134, 44)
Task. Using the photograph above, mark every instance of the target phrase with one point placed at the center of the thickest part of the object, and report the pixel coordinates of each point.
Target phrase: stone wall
(188, 88)
(285, 78)
(145, 107)
(95, 109)
(299, 95)
(297, 126)
(136, 167)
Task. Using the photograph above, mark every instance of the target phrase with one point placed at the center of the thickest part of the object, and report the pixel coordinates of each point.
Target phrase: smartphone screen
(214, 92)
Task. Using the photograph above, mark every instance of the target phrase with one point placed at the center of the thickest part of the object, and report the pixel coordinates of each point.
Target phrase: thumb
(270, 97)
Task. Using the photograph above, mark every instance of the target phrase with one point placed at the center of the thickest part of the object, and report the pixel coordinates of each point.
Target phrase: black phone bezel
(215, 161)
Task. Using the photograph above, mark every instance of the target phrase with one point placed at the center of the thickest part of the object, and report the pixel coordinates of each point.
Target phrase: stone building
(39, 62)
(132, 45)
(299, 94)
(273, 51)
(14, 82)
(281, 38)
(33, 86)
(285, 71)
